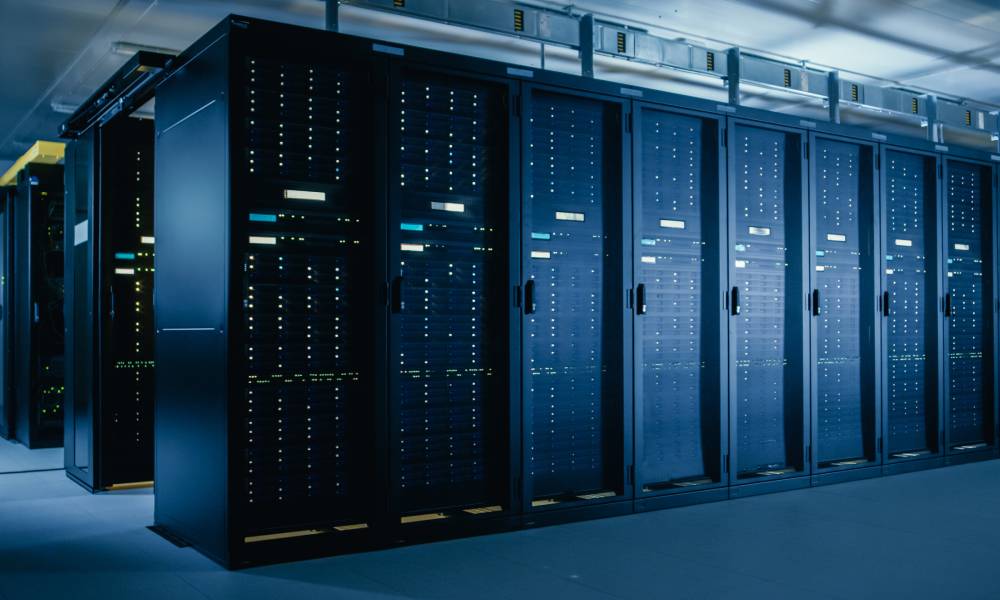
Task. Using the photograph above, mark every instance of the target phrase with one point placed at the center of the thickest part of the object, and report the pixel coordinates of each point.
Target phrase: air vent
(854, 92)
(621, 42)
(968, 118)
(399, 3)
(914, 105)
(788, 78)
(518, 19)
(710, 61)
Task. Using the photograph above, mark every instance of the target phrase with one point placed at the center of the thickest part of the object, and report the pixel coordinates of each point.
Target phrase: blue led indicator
(263, 218)
(411, 226)
(124, 255)
(541, 236)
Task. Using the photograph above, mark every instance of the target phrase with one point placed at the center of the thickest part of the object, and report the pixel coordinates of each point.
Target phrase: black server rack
(38, 359)
(108, 437)
(452, 254)
(767, 276)
(6, 310)
(911, 306)
(845, 283)
(266, 295)
(969, 310)
(575, 314)
(678, 232)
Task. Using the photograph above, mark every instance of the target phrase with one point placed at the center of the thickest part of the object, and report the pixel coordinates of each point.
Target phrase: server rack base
(972, 456)
(681, 499)
(577, 513)
(842, 476)
(769, 487)
(909, 466)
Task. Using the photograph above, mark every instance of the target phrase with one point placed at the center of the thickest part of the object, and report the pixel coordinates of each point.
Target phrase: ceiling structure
(55, 53)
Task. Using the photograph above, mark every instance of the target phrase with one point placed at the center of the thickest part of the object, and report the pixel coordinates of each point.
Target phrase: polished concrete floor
(933, 534)
(15, 458)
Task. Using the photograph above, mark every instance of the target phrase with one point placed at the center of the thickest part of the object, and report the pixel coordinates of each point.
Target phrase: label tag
(81, 233)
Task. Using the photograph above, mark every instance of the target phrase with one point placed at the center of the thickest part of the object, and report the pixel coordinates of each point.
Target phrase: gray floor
(15, 458)
(934, 534)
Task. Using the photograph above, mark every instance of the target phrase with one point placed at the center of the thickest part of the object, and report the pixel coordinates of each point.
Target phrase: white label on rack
(650, 260)
(963, 247)
(262, 240)
(148, 240)
(889, 271)
(820, 268)
(448, 206)
(671, 224)
(568, 216)
(411, 247)
(836, 237)
(305, 195)
(541, 254)
(122, 271)
(759, 230)
(81, 233)
(741, 264)
(905, 243)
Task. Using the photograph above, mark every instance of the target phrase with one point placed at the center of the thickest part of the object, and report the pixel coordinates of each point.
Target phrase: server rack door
(767, 303)
(573, 298)
(844, 275)
(910, 304)
(303, 226)
(968, 311)
(449, 396)
(679, 338)
(125, 278)
(5, 314)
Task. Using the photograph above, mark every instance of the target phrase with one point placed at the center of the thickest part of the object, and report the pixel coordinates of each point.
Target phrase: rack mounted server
(403, 295)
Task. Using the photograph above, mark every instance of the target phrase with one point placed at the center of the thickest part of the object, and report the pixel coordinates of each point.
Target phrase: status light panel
(760, 270)
(452, 260)
(47, 251)
(969, 389)
(569, 241)
(671, 263)
(838, 272)
(909, 237)
(305, 282)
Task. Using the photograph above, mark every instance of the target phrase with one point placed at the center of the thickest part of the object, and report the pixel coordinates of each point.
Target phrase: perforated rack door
(968, 318)
(449, 170)
(572, 333)
(844, 260)
(766, 275)
(677, 324)
(910, 242)
(127, 257)
(308, 296)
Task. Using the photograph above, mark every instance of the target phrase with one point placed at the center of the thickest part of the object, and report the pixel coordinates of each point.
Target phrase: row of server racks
(32, 366)
(404, 295)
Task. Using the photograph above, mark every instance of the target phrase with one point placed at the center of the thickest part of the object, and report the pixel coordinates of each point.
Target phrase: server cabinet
(452, 239)
(969, 307)
(38, 287)
(678, 228)
(108, 437)
(574, 266)
(266, 295)
(767, 303)
(844, 283)
(6, 311)
(911, 305)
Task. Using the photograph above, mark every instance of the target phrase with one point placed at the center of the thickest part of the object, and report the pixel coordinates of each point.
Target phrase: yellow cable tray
(42, 152)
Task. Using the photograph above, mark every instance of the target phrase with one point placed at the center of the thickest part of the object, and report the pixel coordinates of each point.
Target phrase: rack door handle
(947, 305)
(885, 303)
(734, 302)
(396, 295)
(640, 299)
(529, 297)
(111, 312)
(815, 302)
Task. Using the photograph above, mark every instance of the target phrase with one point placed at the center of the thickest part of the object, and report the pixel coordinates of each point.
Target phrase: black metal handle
(529, 297)
(815, 302)
(885, 303)
(640, 299)
(947, 305)
(734, 302)
(37, 315)
(396, 295)
(111, 312)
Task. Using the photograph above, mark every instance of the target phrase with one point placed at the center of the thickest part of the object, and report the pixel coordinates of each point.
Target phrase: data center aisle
(933, 534)
(16, 458)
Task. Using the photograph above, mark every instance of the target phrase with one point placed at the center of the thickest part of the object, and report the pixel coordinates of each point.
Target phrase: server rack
(680, 345)
(912, 305)
(846, 421)
(38, 359)
(108, 436)
(267, 295)
(6, 311)
(576, 319)
(768, 273)
(453, 248)
(969, 308)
